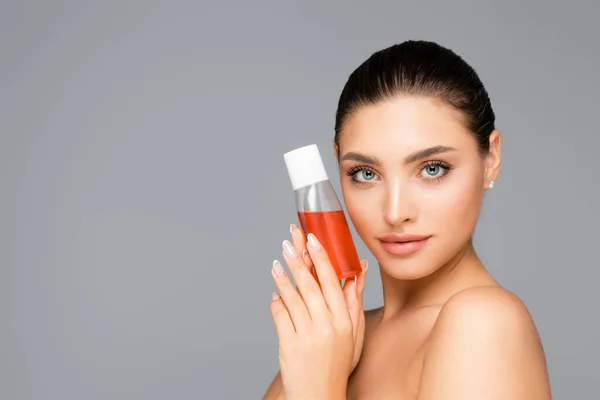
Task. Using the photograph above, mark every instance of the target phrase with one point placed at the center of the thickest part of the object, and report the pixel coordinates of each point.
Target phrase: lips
(405, 237)
(404, 244)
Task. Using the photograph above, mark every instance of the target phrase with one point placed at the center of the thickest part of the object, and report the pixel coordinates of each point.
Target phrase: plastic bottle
(320, 211)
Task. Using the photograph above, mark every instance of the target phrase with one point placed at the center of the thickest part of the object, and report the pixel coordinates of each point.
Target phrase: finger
(299, 242)
(292, 300)
(351, 301)
(281, 317)
(330, 283)
(305, 283)
(360, 279)
(353, 296)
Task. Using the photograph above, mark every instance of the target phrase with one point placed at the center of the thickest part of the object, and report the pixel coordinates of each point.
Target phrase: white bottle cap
(305, 166)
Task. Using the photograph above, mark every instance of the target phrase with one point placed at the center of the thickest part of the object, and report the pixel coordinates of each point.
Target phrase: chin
(420, 264)
(406, 270)
(414, 266)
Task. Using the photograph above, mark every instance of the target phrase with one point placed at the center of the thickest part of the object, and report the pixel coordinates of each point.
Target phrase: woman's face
(408, 166)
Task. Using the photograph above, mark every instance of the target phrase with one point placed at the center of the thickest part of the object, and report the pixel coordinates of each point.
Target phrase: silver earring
(491, 184)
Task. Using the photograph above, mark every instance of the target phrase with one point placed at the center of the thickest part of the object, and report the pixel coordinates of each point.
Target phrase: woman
(417, 148)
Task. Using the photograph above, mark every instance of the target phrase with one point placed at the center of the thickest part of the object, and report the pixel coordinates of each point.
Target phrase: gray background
(144, 193)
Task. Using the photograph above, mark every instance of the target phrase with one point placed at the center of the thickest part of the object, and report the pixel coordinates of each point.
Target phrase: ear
(493, 159)
(336, 152)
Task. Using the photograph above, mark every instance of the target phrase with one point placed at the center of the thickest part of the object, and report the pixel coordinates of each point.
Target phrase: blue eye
(435, 170)
(367, 174)
(432, 170)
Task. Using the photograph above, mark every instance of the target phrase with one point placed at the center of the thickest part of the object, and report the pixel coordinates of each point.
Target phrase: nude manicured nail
(278, 268)
(289, 249)
(313, 242)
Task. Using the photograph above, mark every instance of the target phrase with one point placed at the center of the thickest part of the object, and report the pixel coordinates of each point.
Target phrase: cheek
(358, 213)
(455, 207)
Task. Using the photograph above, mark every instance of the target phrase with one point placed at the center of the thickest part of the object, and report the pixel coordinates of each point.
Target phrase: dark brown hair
(419, 68)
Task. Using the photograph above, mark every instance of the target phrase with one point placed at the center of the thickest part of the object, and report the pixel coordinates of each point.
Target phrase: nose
(399, 204)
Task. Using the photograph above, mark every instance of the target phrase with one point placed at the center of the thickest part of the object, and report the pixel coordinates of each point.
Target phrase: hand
(318, 326)
(357, 314)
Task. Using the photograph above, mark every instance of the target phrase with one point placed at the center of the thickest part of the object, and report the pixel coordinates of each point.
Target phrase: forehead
(403, 125)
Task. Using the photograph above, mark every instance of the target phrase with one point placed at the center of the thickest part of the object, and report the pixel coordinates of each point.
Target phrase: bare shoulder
(486, 307)
(486, 316)
(484, 341)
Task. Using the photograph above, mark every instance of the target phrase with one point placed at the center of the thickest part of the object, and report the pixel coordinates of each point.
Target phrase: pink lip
(402, 244)
(405, 237)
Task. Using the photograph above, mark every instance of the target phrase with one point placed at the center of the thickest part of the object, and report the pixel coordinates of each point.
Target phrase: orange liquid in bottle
(332, 231)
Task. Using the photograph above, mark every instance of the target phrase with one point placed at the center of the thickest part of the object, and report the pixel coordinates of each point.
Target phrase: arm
(275, 390)
(484, 344)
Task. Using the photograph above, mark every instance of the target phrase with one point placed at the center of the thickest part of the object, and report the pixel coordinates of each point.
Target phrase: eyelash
(358, 168)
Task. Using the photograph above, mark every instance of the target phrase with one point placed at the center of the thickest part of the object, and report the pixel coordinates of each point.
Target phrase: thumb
(360, 279)
(353, 289)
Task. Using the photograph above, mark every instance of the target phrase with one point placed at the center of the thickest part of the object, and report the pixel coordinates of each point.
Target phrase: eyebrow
(430, 151)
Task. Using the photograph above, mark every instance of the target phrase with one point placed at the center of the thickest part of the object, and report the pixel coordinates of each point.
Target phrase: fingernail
(275, 296)
(292, 226)
(313, 242)
(366, 265)
(303, 253)
(289, 249)
(278, 268)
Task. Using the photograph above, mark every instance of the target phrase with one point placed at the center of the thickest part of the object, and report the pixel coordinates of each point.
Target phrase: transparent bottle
(320, 211)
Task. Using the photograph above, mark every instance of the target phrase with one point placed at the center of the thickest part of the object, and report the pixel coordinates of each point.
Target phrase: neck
(462, 271)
